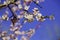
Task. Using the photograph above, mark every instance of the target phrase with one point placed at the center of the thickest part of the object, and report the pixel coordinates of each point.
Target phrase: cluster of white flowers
(29, 33)
(15, 27)
(36, 14)
(5, 37)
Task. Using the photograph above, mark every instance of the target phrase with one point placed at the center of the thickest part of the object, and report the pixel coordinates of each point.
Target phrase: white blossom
(24, 38)
(35, 11)
(13, 29)
(37, 2)
(5, 3)
(30, 32)
(26, 7)
(18, 33)
(5, 16)
(14, 8)
(19, 6)
(29, 17)
(38, 17)
(51, 17)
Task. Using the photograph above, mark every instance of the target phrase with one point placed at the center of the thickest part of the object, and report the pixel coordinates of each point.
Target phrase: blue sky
(49, 29)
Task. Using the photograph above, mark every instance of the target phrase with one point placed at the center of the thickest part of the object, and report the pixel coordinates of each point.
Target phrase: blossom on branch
(22, 6)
